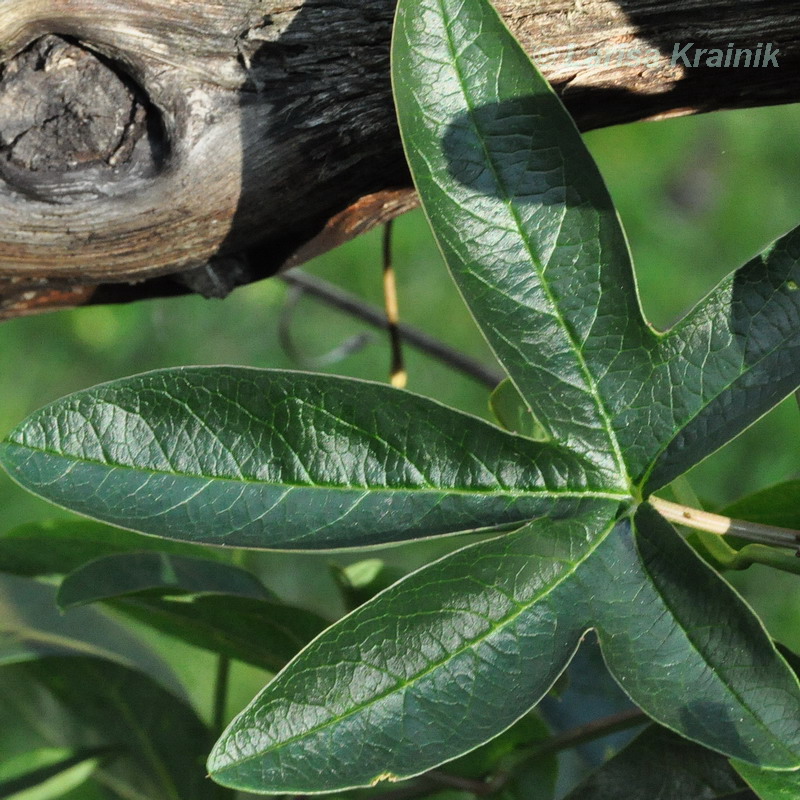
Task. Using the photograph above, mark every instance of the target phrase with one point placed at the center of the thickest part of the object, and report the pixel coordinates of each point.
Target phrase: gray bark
(222, 140)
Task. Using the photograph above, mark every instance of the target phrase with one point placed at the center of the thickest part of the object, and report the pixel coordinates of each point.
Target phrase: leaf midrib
(532, 492)
(591, 384)
(470, 645)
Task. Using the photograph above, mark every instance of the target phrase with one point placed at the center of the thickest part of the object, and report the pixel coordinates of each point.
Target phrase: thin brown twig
(350, 304)
(596, 729)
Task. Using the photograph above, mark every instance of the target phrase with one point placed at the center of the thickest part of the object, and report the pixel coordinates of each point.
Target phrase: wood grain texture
(226, 139)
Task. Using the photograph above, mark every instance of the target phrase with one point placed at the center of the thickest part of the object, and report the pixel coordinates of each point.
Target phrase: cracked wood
(227, 139)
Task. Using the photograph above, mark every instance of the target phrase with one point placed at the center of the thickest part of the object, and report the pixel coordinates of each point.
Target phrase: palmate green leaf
(659, 764)
(55, 547)
(259, 458)
(79, 701)
(453, 654)
(769, 785)
(128, 574)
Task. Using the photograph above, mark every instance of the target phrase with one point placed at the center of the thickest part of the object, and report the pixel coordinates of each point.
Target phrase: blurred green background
(698, 197)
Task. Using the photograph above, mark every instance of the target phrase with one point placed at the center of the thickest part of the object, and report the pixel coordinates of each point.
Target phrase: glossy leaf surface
(285, 460)
(687, 650)
(530, 235)
(431, 668)
(732, 359)
(522, 217)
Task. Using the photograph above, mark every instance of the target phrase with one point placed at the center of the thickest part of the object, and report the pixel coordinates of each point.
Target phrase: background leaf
(512, 412)
(47, 773)
(79, 702)
(32, 627)
(777, 505)
(263, 633)
(362, 580)
(769, 785)
(155, 573)
(660, 764)
(59, 546)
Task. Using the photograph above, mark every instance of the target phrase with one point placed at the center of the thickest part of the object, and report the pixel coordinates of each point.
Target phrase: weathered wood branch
(151, 148)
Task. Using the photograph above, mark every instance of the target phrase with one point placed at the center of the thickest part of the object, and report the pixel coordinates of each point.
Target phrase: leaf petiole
(724, 526)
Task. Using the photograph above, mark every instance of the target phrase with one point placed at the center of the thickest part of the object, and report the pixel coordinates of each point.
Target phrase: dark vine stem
(350, 304)
(596, 729)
